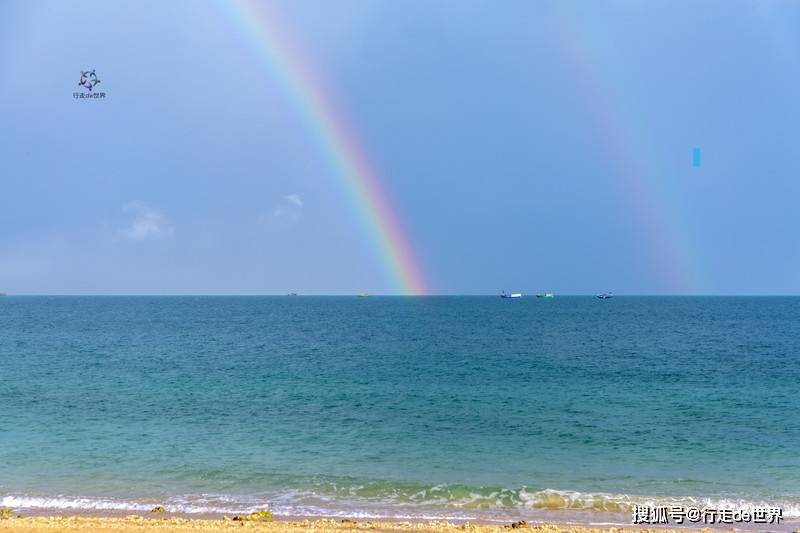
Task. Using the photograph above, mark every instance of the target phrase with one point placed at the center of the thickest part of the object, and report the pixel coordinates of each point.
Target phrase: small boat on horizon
(362, 294)
(546, 295)
(504, 294)
(292, 294)
(605, 296)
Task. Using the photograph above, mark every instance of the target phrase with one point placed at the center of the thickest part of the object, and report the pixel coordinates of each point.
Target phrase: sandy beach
(136, 524)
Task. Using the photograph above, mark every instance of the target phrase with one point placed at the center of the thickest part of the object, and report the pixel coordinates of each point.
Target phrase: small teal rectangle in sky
(696, 157)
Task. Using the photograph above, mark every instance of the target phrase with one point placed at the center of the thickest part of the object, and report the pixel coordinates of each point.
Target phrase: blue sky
(526, 146)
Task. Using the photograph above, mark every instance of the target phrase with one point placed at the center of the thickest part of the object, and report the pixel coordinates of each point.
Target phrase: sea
(462, 408)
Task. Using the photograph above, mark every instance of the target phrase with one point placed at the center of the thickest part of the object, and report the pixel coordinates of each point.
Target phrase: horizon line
(385, 295)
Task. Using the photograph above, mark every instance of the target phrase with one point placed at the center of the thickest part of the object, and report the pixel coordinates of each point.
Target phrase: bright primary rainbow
(337, 139)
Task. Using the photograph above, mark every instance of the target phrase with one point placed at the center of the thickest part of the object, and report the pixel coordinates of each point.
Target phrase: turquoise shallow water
(459, 407)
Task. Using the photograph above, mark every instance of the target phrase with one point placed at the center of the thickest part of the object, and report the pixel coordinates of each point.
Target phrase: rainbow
(640, 173)
(638, 179)
(295, 72)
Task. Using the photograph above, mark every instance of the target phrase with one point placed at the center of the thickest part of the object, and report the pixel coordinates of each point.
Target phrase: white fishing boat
(504, 294)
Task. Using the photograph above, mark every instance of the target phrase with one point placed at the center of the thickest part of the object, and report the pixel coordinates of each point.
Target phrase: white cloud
(292, 203)
(295, 199)
(146, 223)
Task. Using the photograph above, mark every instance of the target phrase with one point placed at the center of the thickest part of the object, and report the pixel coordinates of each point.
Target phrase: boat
(362, 295)
(292, 294)
(605, 296)
(546, 295)
(504, 294)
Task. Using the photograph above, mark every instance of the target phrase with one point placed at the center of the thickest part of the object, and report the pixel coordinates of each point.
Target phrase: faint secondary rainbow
(642, 174)
(296, 74)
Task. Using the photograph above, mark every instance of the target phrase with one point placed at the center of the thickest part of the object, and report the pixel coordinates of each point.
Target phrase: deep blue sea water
(458, 407)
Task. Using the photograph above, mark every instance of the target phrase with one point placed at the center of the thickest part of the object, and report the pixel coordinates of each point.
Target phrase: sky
(523, 145)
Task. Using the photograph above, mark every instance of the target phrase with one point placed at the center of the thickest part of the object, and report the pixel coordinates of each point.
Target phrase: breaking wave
(381, 500)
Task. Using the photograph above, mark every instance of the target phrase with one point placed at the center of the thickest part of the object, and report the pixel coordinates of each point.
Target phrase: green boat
(546, 295)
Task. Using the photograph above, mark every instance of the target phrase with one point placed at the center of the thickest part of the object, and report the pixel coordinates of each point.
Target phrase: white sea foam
(434, 503)
(60, 502)
(190, 505)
